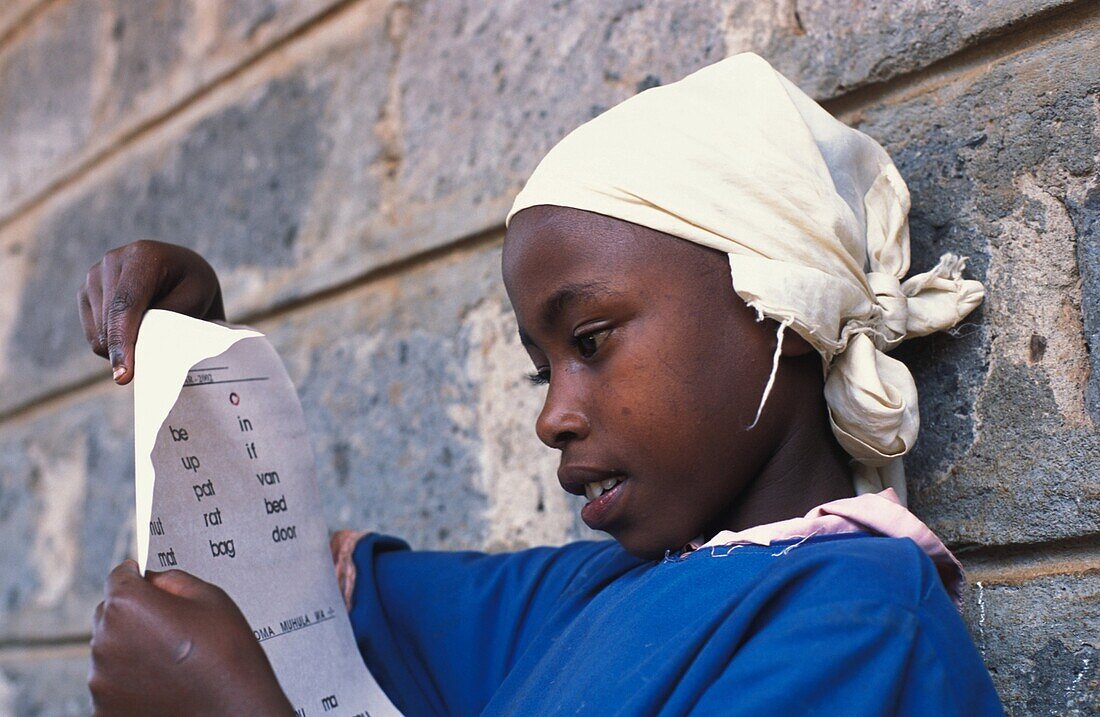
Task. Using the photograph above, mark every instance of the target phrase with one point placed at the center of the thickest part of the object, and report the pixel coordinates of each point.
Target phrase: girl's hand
(139, 276)
(342, 544)
(171, 644)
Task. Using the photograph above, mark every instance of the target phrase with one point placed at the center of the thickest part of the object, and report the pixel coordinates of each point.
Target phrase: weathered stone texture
(44, 682)
(86, 72)
(1038, 641)
(238, 185)
(1000, 165)
(66, 512)
(835, 47)
(46, 95)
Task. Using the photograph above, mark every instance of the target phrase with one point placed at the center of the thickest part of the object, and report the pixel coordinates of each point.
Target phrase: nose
(562, 419)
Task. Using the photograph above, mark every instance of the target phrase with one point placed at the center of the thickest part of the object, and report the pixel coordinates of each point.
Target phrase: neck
(807, 468)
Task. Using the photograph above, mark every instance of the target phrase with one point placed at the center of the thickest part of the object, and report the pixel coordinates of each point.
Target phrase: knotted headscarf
(812, 213)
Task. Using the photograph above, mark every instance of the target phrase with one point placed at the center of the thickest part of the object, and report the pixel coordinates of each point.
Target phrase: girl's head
(655, 370)
(655, 347)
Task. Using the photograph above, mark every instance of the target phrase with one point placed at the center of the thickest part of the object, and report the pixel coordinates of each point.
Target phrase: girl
(721, 431)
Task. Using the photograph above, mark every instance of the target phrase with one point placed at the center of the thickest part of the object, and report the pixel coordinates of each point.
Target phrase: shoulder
(855, 567)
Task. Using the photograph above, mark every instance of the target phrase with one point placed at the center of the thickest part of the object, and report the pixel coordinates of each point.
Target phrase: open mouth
(603, 496)
(594, 490)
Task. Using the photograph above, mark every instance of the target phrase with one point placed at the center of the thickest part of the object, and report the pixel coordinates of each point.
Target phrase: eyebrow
(560, 300)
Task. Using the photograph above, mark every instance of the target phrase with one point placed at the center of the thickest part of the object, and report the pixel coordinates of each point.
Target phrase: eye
(540, 377)
(590, 342)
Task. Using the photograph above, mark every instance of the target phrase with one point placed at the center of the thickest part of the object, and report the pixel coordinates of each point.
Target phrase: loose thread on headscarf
(775, 369)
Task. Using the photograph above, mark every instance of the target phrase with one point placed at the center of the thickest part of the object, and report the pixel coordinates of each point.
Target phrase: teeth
(592, 491)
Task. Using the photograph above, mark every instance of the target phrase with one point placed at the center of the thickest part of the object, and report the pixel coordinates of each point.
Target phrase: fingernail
(118, 371)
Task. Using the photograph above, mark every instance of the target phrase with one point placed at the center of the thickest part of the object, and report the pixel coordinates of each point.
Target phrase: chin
(645, 547)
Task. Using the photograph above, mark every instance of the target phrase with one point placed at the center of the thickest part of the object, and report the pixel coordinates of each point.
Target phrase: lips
(574, 478)
(603, 487)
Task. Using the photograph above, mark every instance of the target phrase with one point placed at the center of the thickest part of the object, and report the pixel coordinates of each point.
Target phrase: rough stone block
(1001, 166)
(44, 682)
(47, 97)
(835, 47)
(1037, 641)
(66, 512)
(238, 184)
(84, 73)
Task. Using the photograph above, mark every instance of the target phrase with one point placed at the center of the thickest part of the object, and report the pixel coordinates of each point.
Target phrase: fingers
(181, 584)
(87, 320)
(130, 293)
(136, 277)
(342, 544)
(93, 289)
(125, 575)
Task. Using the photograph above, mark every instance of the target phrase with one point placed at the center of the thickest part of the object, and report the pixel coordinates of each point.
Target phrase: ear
(794, 344)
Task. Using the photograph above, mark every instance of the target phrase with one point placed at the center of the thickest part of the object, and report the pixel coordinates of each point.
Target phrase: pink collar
(875, 513)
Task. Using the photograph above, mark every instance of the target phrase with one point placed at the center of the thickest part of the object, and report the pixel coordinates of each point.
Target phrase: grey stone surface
(1000, 165)
(47, 93)
(148, 39)
(240, 185)
(1085, 212)
(84, 73)
(1038, 639)
(44, 682)
(265, 153)
(835, 47)
(66, 512)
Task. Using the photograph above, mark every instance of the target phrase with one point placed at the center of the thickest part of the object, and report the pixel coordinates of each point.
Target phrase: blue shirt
(838, 625)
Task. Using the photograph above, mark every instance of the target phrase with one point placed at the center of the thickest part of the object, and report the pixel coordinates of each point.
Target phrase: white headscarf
(813, 216)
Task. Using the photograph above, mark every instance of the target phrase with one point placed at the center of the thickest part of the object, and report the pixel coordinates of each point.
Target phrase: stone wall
(346, 165)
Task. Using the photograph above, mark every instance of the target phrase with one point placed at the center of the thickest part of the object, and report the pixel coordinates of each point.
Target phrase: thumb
(180, 584)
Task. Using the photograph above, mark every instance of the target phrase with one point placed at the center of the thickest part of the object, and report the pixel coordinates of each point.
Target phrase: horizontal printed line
(303, 627)
(230, 380)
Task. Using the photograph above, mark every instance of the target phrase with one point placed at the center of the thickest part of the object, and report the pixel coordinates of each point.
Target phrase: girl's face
(655, 369)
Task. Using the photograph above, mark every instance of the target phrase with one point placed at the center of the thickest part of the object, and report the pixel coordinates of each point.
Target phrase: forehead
(549, 247)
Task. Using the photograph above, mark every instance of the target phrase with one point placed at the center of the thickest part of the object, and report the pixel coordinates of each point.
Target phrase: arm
(856, 657)
(441, 630)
